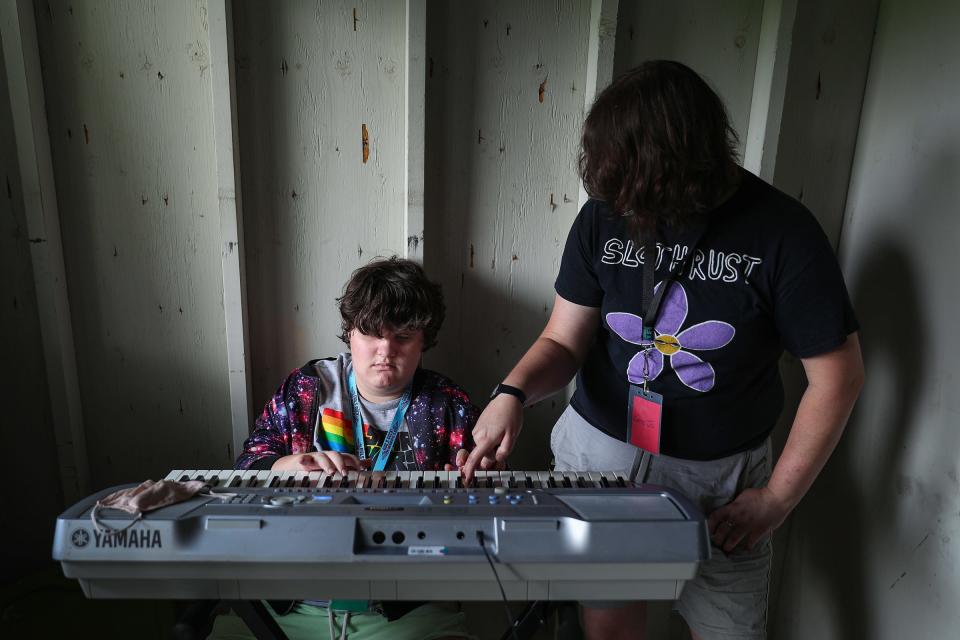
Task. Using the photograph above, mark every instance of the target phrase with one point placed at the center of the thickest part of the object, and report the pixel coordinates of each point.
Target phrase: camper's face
(385, 365)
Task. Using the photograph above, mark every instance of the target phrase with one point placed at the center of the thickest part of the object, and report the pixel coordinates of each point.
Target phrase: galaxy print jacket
(311, 411)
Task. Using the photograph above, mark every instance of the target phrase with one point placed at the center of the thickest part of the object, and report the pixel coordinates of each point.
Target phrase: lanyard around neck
(650, 301)
(391, 437)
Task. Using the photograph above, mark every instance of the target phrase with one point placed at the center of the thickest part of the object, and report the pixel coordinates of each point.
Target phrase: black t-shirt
(763, 278)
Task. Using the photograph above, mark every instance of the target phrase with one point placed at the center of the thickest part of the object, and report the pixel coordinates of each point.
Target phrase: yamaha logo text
(129, 539)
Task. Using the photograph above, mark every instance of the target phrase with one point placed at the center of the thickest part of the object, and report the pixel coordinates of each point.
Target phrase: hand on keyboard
(461, 459)
(329, 461)
(495, 435)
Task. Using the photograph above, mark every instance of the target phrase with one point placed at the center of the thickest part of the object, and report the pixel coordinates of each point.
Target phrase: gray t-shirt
(380, 417)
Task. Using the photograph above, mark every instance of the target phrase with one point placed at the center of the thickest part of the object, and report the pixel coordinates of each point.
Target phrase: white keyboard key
(263, 478)
(450, 482)
(390, 480)
(611, 478)
(544, 479)
(596, 478)
(429, 479)
(412, 480)
(249, 478)
(230, 478)
(363, 480)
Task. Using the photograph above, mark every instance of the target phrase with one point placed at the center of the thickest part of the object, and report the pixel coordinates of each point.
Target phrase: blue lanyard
(391, 437)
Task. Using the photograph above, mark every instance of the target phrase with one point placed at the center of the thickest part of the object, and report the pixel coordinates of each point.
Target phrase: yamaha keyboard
(392, 536)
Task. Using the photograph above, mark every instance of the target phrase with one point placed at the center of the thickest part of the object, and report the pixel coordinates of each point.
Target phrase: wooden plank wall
(873, 551)
(505, 84)
(318, 201)
(129, 108)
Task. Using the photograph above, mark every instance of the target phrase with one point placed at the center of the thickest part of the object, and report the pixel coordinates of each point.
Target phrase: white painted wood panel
(415, 129)
(601, 47)
(311, 78)
(769, 87)
(232, 246)
(23, 380)
(505, 102)
(874, 551)
(817, 130)
(129, 109)
(716, 39)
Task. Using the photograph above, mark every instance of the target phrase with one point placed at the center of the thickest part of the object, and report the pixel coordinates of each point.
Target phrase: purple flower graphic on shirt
(669, 341)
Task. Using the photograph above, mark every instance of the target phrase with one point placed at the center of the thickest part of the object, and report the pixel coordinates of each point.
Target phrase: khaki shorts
(728, 598)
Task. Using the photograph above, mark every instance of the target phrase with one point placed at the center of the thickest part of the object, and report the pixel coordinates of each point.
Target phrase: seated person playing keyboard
(412, 419)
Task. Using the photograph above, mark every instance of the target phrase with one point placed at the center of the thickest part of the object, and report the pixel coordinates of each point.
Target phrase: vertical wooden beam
(600, 50)
(600, 54)
(226, 137)
(414, 138)
(20, 51)
(769, 87)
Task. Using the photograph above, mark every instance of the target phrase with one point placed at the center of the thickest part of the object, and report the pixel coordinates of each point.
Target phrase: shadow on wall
(494, 313)
(849, 501)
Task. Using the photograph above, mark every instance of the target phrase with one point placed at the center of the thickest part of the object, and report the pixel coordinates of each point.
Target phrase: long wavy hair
(657, 145)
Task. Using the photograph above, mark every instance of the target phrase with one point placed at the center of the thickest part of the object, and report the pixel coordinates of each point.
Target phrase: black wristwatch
(513, 391)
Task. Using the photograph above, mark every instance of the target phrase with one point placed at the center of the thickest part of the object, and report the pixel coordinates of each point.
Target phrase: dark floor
(47, 605)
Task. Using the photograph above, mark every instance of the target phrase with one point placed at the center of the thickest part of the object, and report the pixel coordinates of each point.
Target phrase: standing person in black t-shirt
(681, 284)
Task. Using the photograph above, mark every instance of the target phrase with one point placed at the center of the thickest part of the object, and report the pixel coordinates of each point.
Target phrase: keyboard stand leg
(529, 621)
(255, 615)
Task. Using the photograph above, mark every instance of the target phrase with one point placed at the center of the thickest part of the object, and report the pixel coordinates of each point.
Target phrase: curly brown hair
(657, 145)
(394, 293)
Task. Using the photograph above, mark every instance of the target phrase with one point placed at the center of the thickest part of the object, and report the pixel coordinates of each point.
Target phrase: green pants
(431, 621)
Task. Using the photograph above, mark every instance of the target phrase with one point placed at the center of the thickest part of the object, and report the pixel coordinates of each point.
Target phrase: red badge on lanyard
(645, 411)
